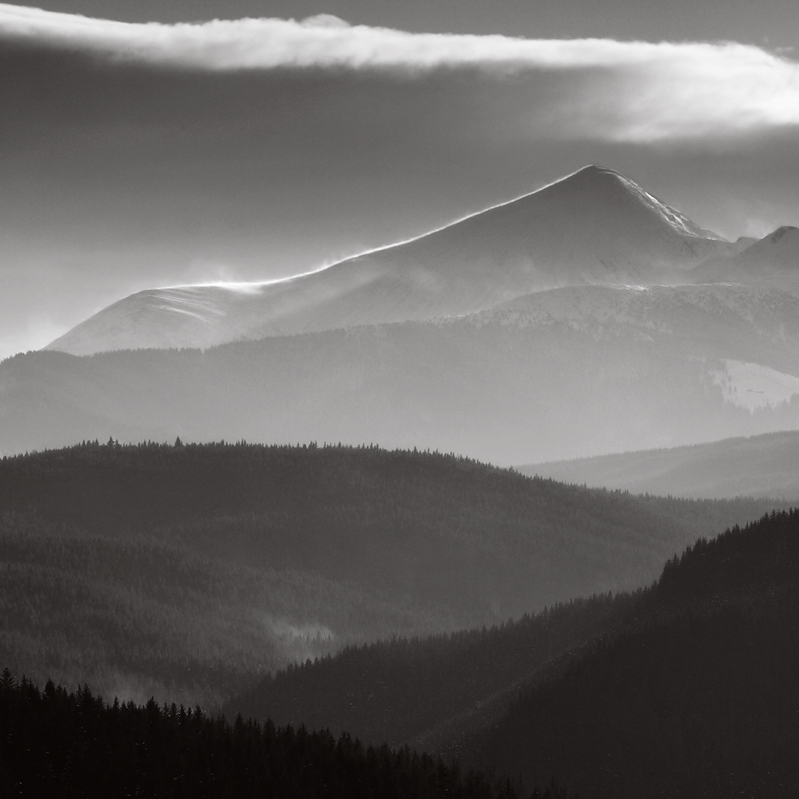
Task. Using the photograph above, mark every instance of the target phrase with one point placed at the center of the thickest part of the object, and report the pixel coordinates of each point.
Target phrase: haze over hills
(760, 466)
(592, 227)
(569, 372)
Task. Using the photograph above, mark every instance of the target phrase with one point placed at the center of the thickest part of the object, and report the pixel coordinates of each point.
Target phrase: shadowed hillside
(698, 698)
(424, 691)
(684, 689)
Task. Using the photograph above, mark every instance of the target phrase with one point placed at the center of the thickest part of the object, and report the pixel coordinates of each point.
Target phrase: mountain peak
(781, 243)
(595, 185)
(785, 231)
(594, 226)
(593, 174)
(772, 259)
(594, 169)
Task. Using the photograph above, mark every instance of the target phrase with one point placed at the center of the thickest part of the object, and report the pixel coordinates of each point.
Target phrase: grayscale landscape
(399, 401)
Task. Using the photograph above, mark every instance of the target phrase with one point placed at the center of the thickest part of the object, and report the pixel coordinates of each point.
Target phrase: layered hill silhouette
(593, 227)
(759, 466)
(570, 372)
(686, 688)
(184, 572)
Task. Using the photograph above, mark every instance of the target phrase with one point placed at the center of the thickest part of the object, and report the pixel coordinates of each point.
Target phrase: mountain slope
(565, 373)
(427, 692)
(699, 698)
(592, 227)
(138, 618)
(759, 466)
(432, 692)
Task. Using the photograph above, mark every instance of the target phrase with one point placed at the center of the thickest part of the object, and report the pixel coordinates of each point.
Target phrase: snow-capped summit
(594, 226)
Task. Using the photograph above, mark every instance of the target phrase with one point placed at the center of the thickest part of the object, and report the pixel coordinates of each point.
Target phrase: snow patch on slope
(752, 386)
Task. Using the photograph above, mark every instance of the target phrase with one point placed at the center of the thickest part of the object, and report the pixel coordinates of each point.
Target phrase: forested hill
(699, 698)
(684, 689)
(189, 571)
(481, 542)
(429, 691)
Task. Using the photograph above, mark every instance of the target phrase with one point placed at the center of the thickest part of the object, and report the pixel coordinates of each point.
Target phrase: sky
(146, 145)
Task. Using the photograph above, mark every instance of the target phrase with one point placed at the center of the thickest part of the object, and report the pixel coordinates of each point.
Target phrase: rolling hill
(69, 744)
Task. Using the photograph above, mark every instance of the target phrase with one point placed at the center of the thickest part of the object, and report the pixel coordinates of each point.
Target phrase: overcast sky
(136, 155)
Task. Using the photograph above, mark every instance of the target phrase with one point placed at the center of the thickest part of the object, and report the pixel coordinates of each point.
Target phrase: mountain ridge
(592, 227)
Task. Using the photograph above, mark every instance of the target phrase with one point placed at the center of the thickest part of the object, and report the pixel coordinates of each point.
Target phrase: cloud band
(627, 91)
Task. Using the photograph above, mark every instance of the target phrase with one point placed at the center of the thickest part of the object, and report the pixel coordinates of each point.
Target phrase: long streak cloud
(625, 91)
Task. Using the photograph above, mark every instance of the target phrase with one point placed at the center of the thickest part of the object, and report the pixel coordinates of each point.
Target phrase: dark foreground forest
(188, 572)
(74, 745)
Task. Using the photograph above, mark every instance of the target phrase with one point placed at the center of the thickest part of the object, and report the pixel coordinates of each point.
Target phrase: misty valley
(507, 509)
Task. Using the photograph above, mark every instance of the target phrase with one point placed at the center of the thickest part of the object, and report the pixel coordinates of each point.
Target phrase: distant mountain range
(565, 324)
(570, 372)
(760, 466)
(594, 227)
